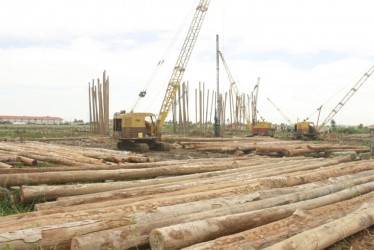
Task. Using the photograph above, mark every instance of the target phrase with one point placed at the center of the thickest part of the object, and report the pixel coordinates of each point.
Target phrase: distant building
(30, 119)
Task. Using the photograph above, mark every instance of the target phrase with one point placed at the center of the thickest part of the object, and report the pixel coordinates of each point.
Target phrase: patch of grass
(8, 207)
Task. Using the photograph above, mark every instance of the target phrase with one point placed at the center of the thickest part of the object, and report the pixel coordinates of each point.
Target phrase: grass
(8, 207)
(33, 131)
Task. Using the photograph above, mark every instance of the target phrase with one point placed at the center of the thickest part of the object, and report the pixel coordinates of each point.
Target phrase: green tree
(333, 124)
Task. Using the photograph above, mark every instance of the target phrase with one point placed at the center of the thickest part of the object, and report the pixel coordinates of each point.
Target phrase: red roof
(30, 117)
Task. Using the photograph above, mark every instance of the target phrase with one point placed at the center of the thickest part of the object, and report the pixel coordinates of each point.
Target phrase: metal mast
(182, 61)
(217, 117)
(254, 102)
(233, 85)
(347, 97)
(280, 112)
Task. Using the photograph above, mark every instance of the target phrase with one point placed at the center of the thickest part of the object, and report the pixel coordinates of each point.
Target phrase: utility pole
(217, 115)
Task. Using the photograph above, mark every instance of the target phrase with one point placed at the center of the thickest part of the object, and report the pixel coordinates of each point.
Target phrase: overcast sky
(306, 53)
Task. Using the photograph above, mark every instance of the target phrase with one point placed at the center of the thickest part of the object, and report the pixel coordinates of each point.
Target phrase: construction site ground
(184, 149)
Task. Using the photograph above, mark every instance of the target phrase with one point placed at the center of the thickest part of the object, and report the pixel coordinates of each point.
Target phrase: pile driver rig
(142, 131)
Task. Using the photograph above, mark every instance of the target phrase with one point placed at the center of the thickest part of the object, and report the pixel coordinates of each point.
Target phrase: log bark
(337, 170)
(5, 165)
(123, 237)
(74, 176)
(152, 201)
(329, 233)
(218, 190)
(204, 230)
(27, 161)
(301, 220)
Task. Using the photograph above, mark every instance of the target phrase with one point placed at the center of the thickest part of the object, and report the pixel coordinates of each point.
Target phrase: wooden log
(27, 161)
(219, 189)
(204, 230)
(152, 201)
(8, 158)
(43, 237)
(204, 205)
(324, 148)
(301, 220)
(182, 235)
(49, 192)
(339, 170)
(73, 176)
(126, 165)
(5, 165)
(329, 233)
(264, 170)
(122, 237)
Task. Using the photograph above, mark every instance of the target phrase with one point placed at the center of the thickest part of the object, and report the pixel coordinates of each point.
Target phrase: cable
(333, 96)
(165, 55)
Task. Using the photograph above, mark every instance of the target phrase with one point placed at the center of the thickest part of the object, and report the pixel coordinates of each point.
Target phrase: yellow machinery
(305, 130)
(142, 131)
(263, 128)
(257, 127)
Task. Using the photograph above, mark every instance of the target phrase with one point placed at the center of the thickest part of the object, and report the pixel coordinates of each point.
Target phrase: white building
(30, 119)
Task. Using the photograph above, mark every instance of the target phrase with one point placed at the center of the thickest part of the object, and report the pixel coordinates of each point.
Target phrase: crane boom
(182, 61)
(346, 97)
(254, 102)
(280, 112)
(233, 85)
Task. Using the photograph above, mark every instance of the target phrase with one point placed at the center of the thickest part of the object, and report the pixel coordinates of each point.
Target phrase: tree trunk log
(301, 220)
(209, 229)
(74, 176)
(4, 165)
(27, 161)
(124, 237)
(329, 233)
(222, 188)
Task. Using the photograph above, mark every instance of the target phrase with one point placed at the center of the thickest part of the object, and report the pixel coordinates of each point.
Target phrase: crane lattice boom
(233, 85)
(182, 61)
(280, 112)
(347, 97)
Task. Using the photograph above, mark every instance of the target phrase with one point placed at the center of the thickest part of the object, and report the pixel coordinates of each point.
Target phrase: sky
(306, 54)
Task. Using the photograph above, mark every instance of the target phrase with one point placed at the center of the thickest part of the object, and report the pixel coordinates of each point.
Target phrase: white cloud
(305, 52)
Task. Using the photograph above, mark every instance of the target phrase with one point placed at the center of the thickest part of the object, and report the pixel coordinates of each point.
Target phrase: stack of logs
(39, 156)
(243, 202)
(263, 145)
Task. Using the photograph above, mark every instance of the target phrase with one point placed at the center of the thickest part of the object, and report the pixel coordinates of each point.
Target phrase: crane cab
(137, 132)
(305, 130)
(263, 128)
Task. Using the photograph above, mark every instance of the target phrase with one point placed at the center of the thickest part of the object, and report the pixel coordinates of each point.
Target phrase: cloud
(304, 52)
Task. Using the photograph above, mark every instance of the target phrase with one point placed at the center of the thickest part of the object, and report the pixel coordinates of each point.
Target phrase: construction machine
(239, 98)
(307, 130)
(142, 131)
(259, 127)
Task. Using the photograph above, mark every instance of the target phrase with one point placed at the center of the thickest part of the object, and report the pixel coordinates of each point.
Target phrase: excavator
(307, 130)
(142, 131)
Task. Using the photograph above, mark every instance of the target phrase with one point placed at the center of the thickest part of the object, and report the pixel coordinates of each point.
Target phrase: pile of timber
(35, 153)
(263, 145)
(245, 202)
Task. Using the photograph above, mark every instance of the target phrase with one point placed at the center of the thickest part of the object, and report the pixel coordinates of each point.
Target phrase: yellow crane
(307, 130)
(345, 99)
(142, 131)
(259, 127)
